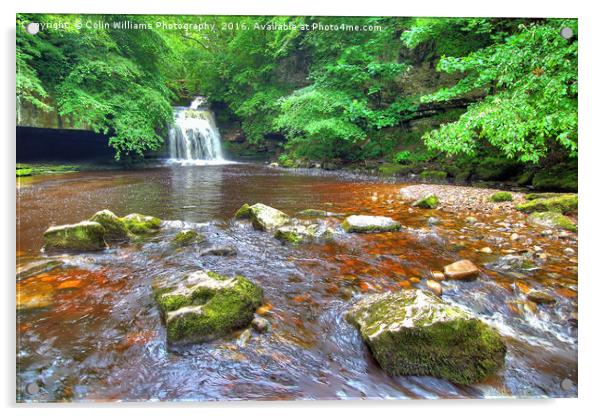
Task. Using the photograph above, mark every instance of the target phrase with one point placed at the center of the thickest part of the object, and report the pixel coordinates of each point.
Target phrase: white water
(194, 138)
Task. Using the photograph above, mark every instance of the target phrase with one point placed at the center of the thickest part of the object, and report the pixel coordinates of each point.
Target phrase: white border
(590, 244)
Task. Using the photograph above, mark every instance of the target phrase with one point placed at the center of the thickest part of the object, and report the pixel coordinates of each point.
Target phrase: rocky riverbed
(92, 315)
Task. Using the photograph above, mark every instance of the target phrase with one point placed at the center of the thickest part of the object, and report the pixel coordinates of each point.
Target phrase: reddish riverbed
(88, 327)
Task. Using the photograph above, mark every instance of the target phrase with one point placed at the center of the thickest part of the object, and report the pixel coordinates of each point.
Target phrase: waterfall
(194, 138)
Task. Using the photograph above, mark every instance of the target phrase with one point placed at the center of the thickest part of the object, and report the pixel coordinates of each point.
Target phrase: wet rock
(413, 332)
(318, 213)
(438, 276)
(298, 233)
(115, 229)
(540, 297)
(461, 270)
(562, 204)
(263, 217)
(428, 202)
(244, 338)
(501, 197)
(512, 262)
(186, 238)
(552, 220)
(369, 224)
(260, 324)
(205, 306)
(83, 236)
(37, 296)
(141, 224)
(434, 287)
(434, 221)
(219, 251)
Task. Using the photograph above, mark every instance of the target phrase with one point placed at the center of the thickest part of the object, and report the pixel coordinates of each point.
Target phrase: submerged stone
(317, 213)
(206, 305)
(141, 224)
(429, 202)
(413, 332)
(83, 236)
(297, 234)
(186, 237)
(461, 270)
(369, 224)
(219, 251)
(115, 229)
(263, 217)
(552, 220)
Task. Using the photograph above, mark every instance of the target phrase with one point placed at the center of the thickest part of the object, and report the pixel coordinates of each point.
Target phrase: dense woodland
(481, 98)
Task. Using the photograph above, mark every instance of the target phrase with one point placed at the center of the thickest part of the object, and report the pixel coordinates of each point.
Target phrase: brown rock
(461, 270)
(540, 297)
(438, 276)
(434, 287)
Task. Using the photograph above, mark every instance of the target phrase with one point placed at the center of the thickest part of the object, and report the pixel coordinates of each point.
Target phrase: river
(99, 335)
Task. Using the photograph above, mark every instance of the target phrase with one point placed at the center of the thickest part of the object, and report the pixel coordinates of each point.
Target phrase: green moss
(541, 195)
(393, 169)
(563, 204)
(209, 310)
(433, 175)
(243, 212)
(186, 237)
(141, 224)
(552, 220)
(428, 202)
(115, 227)
(83, 236)
(24, 172)
(501, 197)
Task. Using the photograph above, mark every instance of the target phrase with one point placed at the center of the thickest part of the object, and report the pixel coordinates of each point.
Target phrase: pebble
(514, 237)
(537, 249)
(569, 251)
(486, 250)
(434, 287)
(260, 324)
(438, 276)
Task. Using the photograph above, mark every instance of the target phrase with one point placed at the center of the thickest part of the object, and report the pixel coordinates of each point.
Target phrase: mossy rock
(141, 224)
(501, 197)
(394, 169)
(24, 172)
(542, 195)
(433, 175)
(496, 169)
(369, 224)
(428, 202)
(206, 305)
(186, 238)
(562, 177)
(525, 178)
(297, 234)
(414, 333)
(263, 217)
(563, 204)
(83, 236)
(552, 220)
(114, 226)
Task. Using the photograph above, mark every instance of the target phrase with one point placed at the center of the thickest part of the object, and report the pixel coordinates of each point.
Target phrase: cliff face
(30, 116)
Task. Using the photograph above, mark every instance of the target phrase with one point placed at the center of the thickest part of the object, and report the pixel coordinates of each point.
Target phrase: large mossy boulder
(414, 332)
(561, 177)
(263, 217)
(83, 236)
(433, 175)
(369, 224)
(552, 220)
(205, 306)
(427, 202)
(115, 229)
(141, 224)
(299, 233)
(563, 204)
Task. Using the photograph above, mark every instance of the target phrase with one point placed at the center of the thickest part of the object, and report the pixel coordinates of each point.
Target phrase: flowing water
(194, 138)
(96, 332)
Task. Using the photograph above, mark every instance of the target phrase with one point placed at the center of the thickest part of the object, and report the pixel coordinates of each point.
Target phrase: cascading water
(194, 138)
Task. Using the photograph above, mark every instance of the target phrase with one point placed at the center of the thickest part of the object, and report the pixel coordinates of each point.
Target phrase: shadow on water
(96, 334)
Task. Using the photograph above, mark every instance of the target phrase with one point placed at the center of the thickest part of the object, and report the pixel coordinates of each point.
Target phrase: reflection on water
(96, 332)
